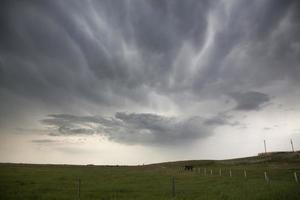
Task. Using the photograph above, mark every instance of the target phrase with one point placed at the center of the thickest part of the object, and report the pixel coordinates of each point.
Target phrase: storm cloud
(250, 100)
(127, 59)
(44, 141)
(133, 128)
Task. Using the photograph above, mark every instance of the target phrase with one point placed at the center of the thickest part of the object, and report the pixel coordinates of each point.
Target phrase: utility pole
(265, 146)
(292, 145)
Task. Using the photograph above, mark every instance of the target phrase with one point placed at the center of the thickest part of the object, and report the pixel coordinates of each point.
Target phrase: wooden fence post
(266, 177)
(245, 173)
(78, 189)
(204, 171)
(173, 186)
(296, 177)
(230, 173)
(220, 172)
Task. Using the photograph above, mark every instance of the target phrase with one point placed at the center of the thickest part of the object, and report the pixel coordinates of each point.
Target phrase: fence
(114, 183)
(294, 174)
(225, 173)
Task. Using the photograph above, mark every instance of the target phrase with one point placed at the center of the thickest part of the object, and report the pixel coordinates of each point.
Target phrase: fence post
(230, 173)
(211, 172)
(204, 171)
(78, 189)
(173, 186)
(245, 173)
(296, 177)
(266, 177)
(220, 172)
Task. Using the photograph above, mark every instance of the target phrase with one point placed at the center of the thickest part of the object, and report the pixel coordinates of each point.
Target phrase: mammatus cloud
(249, 100)
(136, 128)
(114, 55)
(178, 58)
(97, 51)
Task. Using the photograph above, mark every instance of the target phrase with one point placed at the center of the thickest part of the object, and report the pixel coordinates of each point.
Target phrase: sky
(143, 81)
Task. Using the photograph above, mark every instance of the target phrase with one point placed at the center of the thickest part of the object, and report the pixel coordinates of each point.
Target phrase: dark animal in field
(188, 168)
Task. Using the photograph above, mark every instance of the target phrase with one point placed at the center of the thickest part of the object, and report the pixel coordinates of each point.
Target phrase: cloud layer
(170, 58)
(133, 128)
(249, 100)
(102, 50)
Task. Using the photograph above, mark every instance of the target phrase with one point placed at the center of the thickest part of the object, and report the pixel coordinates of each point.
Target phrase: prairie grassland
(43, 182)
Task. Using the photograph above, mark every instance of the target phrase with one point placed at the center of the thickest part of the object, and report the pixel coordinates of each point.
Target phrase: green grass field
(20, 181)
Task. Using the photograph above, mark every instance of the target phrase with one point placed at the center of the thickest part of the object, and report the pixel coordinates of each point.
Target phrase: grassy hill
(27, 181)
(271, 157)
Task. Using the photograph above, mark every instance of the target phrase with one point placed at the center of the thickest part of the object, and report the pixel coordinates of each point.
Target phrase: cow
(188, 168)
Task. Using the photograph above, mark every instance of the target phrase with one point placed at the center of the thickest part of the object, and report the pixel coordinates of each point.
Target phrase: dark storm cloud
(118, 55)
(221, 119)
(72, 125)
(249, 100)
(58, 49)
(135, 128)
(261, 43)
(44, 141)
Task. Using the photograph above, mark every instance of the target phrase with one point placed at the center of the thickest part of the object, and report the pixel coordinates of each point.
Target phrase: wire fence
(176, 183)
(170, 183)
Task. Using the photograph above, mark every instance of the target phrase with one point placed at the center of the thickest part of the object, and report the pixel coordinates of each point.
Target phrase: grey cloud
(76, 150)
(135, 128)
(221, 119)
(268, 46)
(254, 47)
(127, 55)
(249, 100)
(44, 141)
(72, 125)
(57, 49)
